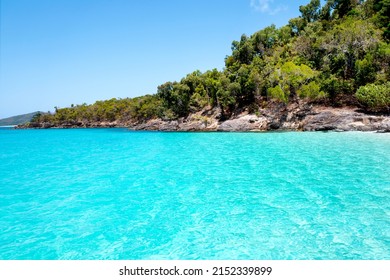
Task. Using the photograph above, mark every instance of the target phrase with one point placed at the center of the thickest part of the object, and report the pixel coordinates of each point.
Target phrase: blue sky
(63, 52)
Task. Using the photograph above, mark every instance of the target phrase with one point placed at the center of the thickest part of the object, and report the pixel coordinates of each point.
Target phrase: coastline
(293, 117)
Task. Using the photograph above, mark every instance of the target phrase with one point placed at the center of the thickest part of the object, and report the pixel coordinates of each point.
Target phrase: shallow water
(115, 194)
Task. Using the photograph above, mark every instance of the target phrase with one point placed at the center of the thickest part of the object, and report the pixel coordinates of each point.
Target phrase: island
(327, 69)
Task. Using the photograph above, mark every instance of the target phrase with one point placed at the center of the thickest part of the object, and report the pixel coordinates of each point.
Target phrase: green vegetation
(19, 119)
(337, 54)
(375, 97)
(124, 110)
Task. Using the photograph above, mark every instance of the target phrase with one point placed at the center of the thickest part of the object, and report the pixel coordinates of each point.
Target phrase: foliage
(290, 79)
(312, 91)
(375, 98)
(310, 12)
(20, 119)
(278, 93)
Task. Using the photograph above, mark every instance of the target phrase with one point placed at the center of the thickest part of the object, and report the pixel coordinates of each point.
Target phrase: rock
(297, 115)
(344, 120)
(150, 125)
(320, 122)
(274, 125)
(244, 123)
(193, 126)
(169, 126)
(384, 131)
(46, 125)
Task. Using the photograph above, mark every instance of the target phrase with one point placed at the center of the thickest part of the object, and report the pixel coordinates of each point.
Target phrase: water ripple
(114, 194)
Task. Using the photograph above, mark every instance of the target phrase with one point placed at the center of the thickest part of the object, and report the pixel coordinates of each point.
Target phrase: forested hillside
(334, 55)
(20, 119)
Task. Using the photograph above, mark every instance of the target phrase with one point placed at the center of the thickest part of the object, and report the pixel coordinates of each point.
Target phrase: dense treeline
(337, 54)
(123, 110)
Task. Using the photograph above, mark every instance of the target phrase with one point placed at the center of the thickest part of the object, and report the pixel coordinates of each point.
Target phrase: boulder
(244, 123)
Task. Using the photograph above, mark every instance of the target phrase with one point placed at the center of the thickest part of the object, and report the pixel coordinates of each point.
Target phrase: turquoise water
(116, 194)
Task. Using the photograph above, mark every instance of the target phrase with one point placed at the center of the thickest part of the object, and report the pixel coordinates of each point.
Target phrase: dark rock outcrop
(297, 116)
(344, 120)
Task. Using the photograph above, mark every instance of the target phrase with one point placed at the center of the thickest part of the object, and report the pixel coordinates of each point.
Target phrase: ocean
(96, 194)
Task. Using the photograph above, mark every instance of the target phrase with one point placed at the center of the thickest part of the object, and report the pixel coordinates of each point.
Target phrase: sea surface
(115, 194)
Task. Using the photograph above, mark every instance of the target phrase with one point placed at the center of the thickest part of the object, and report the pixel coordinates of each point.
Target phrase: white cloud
(266, 6)
(261, 5)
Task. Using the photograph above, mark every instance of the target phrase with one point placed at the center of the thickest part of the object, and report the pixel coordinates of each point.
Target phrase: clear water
(115, 194)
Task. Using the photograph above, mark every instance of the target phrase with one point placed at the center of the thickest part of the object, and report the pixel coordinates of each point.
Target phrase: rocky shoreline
(294, 117)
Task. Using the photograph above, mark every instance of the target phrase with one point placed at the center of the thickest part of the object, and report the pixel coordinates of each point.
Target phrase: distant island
(327, 69)
(17, 120)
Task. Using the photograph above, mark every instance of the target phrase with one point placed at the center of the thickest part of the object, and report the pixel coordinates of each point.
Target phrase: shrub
(278, 94)
(311, 91)
(374, 98)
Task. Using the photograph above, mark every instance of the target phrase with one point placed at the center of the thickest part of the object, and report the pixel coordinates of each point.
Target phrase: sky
(63, 52)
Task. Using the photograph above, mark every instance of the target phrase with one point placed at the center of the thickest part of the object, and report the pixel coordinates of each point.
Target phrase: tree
(307, 46)
(243, 51)
(149, 107)
(382, 8)
(199, 99)
(181, 95)
(347, 42)
(278, 93)
(326, 11)
(245, 95)
(287, 80)
(312, 91)
(343, 7)
(37, 116)
(264, 40)
(164, 92)
(227, 93)
(211, 83)
(365, 70)
(296, 25)
(310, 12)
